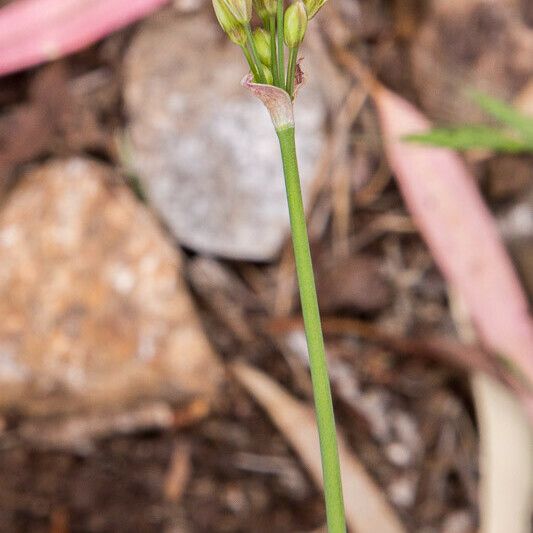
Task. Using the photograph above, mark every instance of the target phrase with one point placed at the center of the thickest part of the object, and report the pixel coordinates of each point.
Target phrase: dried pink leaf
(459, 229)
(34, 31)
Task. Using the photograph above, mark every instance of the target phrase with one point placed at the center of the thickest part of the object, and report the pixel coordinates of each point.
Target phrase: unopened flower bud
(238, 35)
(262, 45)
(240, 9)
(234, 30)
(265, 8)
(295, 24)
(271, 6)
(260, 9)
(313, 7)
(268, 76)
(226, 20)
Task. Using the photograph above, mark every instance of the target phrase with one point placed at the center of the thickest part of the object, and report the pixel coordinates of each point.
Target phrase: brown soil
(242, 476)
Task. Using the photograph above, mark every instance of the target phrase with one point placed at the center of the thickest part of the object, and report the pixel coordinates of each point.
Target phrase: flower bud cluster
(263, 47)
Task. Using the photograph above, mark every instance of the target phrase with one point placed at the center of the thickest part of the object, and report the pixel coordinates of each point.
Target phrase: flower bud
(313, 7)
(295, 24)
(237, 35)
(270, 7)
(260, 9)
(240, 9)
(229, 23)
(262, 45)
(268, 76)
(226, 20)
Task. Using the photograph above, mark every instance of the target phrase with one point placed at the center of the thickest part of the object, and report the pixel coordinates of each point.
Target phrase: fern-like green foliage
(514, 135)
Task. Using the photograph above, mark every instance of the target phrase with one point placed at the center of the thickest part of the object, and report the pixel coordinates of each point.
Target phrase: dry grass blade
(367, 510)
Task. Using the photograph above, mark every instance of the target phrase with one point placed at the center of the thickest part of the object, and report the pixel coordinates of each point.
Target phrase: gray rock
(204, 148)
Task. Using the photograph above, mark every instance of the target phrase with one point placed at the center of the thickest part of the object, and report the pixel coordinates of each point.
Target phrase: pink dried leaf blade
(35, 31)
(445, 203)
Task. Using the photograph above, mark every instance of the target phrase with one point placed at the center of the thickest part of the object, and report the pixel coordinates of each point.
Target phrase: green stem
(250, 61)
(273, 60)
(315, 342)
(291, 70)
(255, 55)
(281, 44)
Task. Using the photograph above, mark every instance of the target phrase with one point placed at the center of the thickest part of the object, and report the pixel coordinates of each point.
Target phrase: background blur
(144, 252)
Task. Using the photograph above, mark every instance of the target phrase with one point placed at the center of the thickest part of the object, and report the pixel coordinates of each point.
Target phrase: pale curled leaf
(462, 235)
(34, 31)
(276, 100)
(367, 510)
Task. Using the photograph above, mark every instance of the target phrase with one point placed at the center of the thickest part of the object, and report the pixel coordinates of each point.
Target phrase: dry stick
(341, 174)
(434, 347)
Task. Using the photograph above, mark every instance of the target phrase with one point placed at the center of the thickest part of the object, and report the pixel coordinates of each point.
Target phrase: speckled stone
(94, 310)
(204, 148)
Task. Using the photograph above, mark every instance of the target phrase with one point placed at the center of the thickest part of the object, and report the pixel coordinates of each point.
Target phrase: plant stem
(291, 70)
(315, 342)
(273, 60)
(281, 44)
(250, 61)
(255, 55)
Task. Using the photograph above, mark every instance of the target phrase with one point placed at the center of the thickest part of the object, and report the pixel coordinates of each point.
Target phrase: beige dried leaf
(367, 509)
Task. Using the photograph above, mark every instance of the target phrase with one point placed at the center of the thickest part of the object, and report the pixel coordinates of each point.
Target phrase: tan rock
(93, 309)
